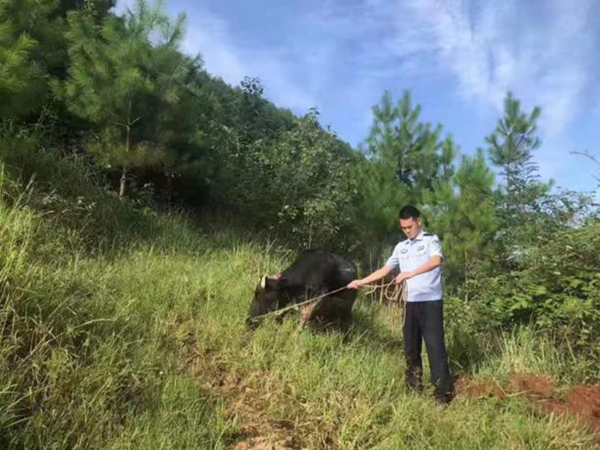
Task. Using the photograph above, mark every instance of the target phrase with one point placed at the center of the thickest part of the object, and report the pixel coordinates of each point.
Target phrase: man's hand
(403, 277)
(377, 275)
(356, 284)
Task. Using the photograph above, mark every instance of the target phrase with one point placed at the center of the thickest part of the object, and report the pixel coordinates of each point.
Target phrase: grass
(348, 391)
(123, 328)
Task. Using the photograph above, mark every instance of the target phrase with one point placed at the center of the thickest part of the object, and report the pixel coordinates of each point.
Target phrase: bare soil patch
(581, 402)
(474, 389)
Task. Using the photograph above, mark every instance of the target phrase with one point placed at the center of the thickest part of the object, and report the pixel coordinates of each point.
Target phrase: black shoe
(443, 400)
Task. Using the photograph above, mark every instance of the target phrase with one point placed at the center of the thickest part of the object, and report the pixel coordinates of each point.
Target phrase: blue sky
(458, 59)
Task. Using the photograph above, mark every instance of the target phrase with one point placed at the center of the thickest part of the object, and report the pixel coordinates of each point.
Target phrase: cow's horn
(263, 282)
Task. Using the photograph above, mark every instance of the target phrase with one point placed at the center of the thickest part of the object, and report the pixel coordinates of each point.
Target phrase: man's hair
(409, 212)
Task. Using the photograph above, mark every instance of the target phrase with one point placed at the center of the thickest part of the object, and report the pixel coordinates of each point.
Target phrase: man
(419, 259)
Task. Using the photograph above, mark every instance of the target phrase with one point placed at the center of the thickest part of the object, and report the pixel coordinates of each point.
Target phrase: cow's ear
(269, 284)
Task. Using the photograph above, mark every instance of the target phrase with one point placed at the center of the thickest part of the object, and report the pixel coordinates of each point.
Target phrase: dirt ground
(581, 402)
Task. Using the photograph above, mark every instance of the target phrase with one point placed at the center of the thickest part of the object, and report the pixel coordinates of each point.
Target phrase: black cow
(315, 272)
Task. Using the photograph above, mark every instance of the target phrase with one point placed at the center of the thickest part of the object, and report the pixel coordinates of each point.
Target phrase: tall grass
(347, 391)
(122, 327)
(84, 362)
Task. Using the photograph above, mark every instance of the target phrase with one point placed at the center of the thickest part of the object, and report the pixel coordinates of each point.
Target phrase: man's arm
(377, 275)
(433, 262)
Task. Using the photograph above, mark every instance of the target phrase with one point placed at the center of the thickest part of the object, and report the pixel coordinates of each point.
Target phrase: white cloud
(489, 47)
(542, 52)
(546, 53)
(208, 36)
(494, 47)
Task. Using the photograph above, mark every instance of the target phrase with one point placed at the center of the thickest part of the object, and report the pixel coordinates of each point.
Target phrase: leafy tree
(251, 108)
(312, 176)
(256, 117)
(126, 76)
(297, 185)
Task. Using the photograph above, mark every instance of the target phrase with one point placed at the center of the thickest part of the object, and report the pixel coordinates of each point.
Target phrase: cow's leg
(308, 313)
(329, 310)
(333, 311)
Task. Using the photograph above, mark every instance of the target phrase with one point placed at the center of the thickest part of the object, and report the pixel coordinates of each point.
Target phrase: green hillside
(123, 327)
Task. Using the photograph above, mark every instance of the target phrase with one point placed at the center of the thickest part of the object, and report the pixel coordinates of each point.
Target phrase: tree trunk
(124, 171)
(123, 182)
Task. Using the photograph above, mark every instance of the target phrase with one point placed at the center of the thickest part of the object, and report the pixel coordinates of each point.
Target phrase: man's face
(410, 227)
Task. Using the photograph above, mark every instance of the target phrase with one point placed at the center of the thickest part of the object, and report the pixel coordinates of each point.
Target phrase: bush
(298, 187)
(554, 286)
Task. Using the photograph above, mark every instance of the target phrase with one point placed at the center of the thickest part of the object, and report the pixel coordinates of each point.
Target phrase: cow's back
(323, 272)
(319, 271)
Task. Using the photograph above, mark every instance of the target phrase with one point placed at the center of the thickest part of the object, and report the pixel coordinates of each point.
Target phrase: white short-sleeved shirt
(413, 253)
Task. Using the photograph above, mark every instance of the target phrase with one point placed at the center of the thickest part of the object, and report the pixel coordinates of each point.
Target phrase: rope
(397, 292)
(278, 312)
(398, 296)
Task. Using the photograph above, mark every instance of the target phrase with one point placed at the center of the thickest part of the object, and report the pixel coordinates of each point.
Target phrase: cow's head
(268, 296)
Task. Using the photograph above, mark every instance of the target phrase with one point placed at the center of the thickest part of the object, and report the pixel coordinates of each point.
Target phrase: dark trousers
(425, 321)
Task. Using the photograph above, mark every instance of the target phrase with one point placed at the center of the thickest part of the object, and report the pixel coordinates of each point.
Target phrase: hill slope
(123, 327)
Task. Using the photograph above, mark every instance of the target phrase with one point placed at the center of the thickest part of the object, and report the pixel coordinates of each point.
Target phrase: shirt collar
(418, 237)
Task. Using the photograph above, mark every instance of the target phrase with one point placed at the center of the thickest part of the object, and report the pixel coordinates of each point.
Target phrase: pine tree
(473, 218)
(511, 149)
(23, 75)
(438, 200)
(419, 146)
(405, 162)
(127, 76)
(33, 51)
(381, 176)
(520, 200)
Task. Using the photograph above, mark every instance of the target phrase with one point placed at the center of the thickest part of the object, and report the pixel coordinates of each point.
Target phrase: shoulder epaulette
(427, 234)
